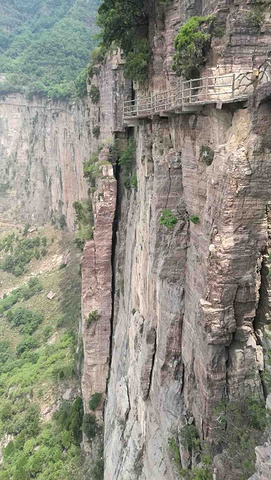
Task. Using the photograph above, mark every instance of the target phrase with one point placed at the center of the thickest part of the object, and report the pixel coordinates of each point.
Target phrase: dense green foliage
(27, 320)
(20, 252)
(23, 293)
(239, 429)
(137, 60)
(45, 46)
(90, 426)
(34, 374)
(125, 24)
(191, 46)
(167, 219)
(191, 444)
(95, 401)
(255, 16)
(194, 219)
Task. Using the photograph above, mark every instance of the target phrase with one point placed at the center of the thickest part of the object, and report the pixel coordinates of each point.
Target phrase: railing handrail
(208, 90)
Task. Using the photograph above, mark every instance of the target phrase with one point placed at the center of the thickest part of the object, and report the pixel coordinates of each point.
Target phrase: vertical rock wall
(42, 149)
(189, 302)
(96, 287)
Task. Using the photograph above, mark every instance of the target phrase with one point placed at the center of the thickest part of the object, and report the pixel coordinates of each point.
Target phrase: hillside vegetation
(41, 412)
(45, 46)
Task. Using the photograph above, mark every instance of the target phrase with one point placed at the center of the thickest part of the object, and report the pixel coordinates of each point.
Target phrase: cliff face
(43, 146)
(96, 287)
(190, 302)
(192, 339)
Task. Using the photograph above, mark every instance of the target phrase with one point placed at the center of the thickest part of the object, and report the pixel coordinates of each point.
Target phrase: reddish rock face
(96, 287)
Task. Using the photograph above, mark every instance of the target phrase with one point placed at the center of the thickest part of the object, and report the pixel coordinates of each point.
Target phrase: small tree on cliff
(192, 45)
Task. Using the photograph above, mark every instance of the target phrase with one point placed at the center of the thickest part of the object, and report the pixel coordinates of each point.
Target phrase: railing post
(233, 85)
(206, 88)
(182, 94)
(190, 91)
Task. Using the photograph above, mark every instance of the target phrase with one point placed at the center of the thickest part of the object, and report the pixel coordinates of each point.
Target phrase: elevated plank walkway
(192, 95)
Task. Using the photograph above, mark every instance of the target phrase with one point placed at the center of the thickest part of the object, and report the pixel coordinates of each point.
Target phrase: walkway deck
(191, 95)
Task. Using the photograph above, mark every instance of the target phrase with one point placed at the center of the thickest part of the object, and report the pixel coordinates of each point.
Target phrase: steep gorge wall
(188, 303)
(43, 147)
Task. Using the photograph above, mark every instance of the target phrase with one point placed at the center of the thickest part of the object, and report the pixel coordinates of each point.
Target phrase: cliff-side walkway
(191, 95)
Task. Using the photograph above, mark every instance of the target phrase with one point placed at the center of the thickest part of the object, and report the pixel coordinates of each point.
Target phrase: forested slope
(45, 45)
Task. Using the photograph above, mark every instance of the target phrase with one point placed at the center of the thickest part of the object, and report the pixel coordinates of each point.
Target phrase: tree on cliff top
(120, 21)
(125, 23)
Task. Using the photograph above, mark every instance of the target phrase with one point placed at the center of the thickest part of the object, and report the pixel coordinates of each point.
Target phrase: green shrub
(239, 428)
(95, 401)
(190, 438)
(167, 219)
(175, 453)
(26, 228)
(94, 93)
(194, 219)
(9, 450)
(33, 286)
(96, 131)
(20, 253)
(80, 243)
(97, 472)
(256, 15)
(27, 343)
(90, 426)
(93, 317)
(206, 154)
(5, 351)
(120, 23)
(3, 189)
(192, 45)
(97, 57)
(27, 320)
(69, 417)
(137, 61)
(92, 169)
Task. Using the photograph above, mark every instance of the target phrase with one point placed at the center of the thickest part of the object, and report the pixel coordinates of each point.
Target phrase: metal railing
(201, 91)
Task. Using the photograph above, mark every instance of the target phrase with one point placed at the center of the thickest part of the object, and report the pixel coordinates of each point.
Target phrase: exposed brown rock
(97, 287)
